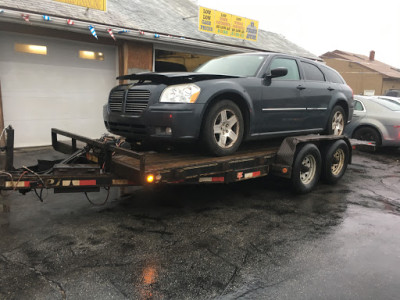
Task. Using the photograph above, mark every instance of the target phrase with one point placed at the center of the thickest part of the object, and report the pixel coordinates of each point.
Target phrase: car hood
(173, 78)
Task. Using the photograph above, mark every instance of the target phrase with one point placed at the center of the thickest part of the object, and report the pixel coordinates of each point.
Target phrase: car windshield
(235, 65)
(390, 104)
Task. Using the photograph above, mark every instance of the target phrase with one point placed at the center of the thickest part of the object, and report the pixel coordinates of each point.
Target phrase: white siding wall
(57, 90)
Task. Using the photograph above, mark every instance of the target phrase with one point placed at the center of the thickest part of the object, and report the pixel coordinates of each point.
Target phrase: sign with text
(222, 23)
(95, 4)
(216, 22)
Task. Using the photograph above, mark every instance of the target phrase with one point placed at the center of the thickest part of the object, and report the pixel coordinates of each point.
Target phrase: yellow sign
(206, 20)
(222, 23)
(251, 30)
(214, 21)
(238, 29)
(95, 4)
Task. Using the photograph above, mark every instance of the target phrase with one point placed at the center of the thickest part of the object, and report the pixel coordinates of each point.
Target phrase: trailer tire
(306, 169)
(335, 161)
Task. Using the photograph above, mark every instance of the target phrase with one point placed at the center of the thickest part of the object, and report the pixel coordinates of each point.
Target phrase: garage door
(49, 82)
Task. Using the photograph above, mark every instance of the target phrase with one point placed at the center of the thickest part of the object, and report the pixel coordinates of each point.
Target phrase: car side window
(358, 106)
(332, 76)
(290, 65)
(312, 72)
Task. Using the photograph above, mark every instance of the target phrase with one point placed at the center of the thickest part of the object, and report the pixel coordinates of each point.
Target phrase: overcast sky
(320, 26)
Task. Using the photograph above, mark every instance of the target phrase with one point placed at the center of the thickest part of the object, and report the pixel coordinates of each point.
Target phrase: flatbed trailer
(93, 164)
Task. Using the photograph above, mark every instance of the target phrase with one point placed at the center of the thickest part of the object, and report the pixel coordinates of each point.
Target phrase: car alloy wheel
(223, 128)
(337, 123)
(226, 128)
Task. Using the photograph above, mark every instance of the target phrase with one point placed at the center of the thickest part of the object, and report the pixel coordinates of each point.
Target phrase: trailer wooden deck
(183, 164)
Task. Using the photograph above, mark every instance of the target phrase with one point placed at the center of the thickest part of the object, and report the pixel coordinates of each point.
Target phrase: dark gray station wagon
(230, 99)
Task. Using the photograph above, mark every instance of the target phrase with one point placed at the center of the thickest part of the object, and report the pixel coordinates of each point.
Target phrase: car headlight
(181, 93)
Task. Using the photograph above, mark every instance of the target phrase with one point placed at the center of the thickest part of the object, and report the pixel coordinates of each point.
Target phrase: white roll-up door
(50, 83)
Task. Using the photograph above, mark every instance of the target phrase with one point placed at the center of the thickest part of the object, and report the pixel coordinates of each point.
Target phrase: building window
(84, 54)
(34, 49)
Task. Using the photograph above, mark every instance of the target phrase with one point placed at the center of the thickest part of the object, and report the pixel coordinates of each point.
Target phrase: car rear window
(235, 65)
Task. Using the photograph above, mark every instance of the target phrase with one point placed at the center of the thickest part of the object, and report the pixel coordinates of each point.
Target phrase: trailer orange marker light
(150, 178)
(284, 170)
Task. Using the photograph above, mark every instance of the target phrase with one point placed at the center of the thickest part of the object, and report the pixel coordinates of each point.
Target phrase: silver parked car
(375, 119)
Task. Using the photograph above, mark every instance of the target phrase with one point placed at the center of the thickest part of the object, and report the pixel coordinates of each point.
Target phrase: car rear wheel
(223, 128)
(337, 121)
(368, 134)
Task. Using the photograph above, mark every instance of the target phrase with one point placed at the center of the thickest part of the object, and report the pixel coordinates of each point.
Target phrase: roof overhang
(59, 23)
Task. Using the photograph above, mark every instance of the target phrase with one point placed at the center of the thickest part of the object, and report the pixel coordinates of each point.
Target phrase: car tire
(306, 169)
(336, 157)
(337, 121)
(223, 128)
(368, 134)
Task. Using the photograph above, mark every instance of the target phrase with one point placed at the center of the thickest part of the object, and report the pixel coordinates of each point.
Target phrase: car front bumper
(173, 122)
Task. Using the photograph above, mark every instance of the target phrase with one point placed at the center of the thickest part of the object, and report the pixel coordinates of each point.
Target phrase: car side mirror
(274, 73)
(279, 72)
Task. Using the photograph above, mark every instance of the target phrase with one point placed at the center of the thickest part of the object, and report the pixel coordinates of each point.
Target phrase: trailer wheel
(336, 159)
(306, 169)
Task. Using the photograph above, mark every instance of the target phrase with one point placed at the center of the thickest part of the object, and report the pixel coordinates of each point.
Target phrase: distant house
(364, 74)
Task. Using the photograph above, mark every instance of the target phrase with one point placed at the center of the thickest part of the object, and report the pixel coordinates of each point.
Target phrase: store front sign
(216, 22)
(95, 4)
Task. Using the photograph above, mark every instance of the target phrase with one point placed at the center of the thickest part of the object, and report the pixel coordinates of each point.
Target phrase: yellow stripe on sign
(95, 4)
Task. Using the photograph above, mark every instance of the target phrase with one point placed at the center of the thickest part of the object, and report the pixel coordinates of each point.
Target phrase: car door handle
(330, 89)
(300, 87)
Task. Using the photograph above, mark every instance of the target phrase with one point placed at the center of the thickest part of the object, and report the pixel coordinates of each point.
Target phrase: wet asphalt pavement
(249, 240)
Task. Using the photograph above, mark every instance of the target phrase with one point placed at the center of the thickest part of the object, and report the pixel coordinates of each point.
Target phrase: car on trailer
(231, 99)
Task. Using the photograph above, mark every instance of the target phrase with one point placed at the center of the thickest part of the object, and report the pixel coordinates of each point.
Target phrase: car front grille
(136, 101)
(132, 102)
(116, 100)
